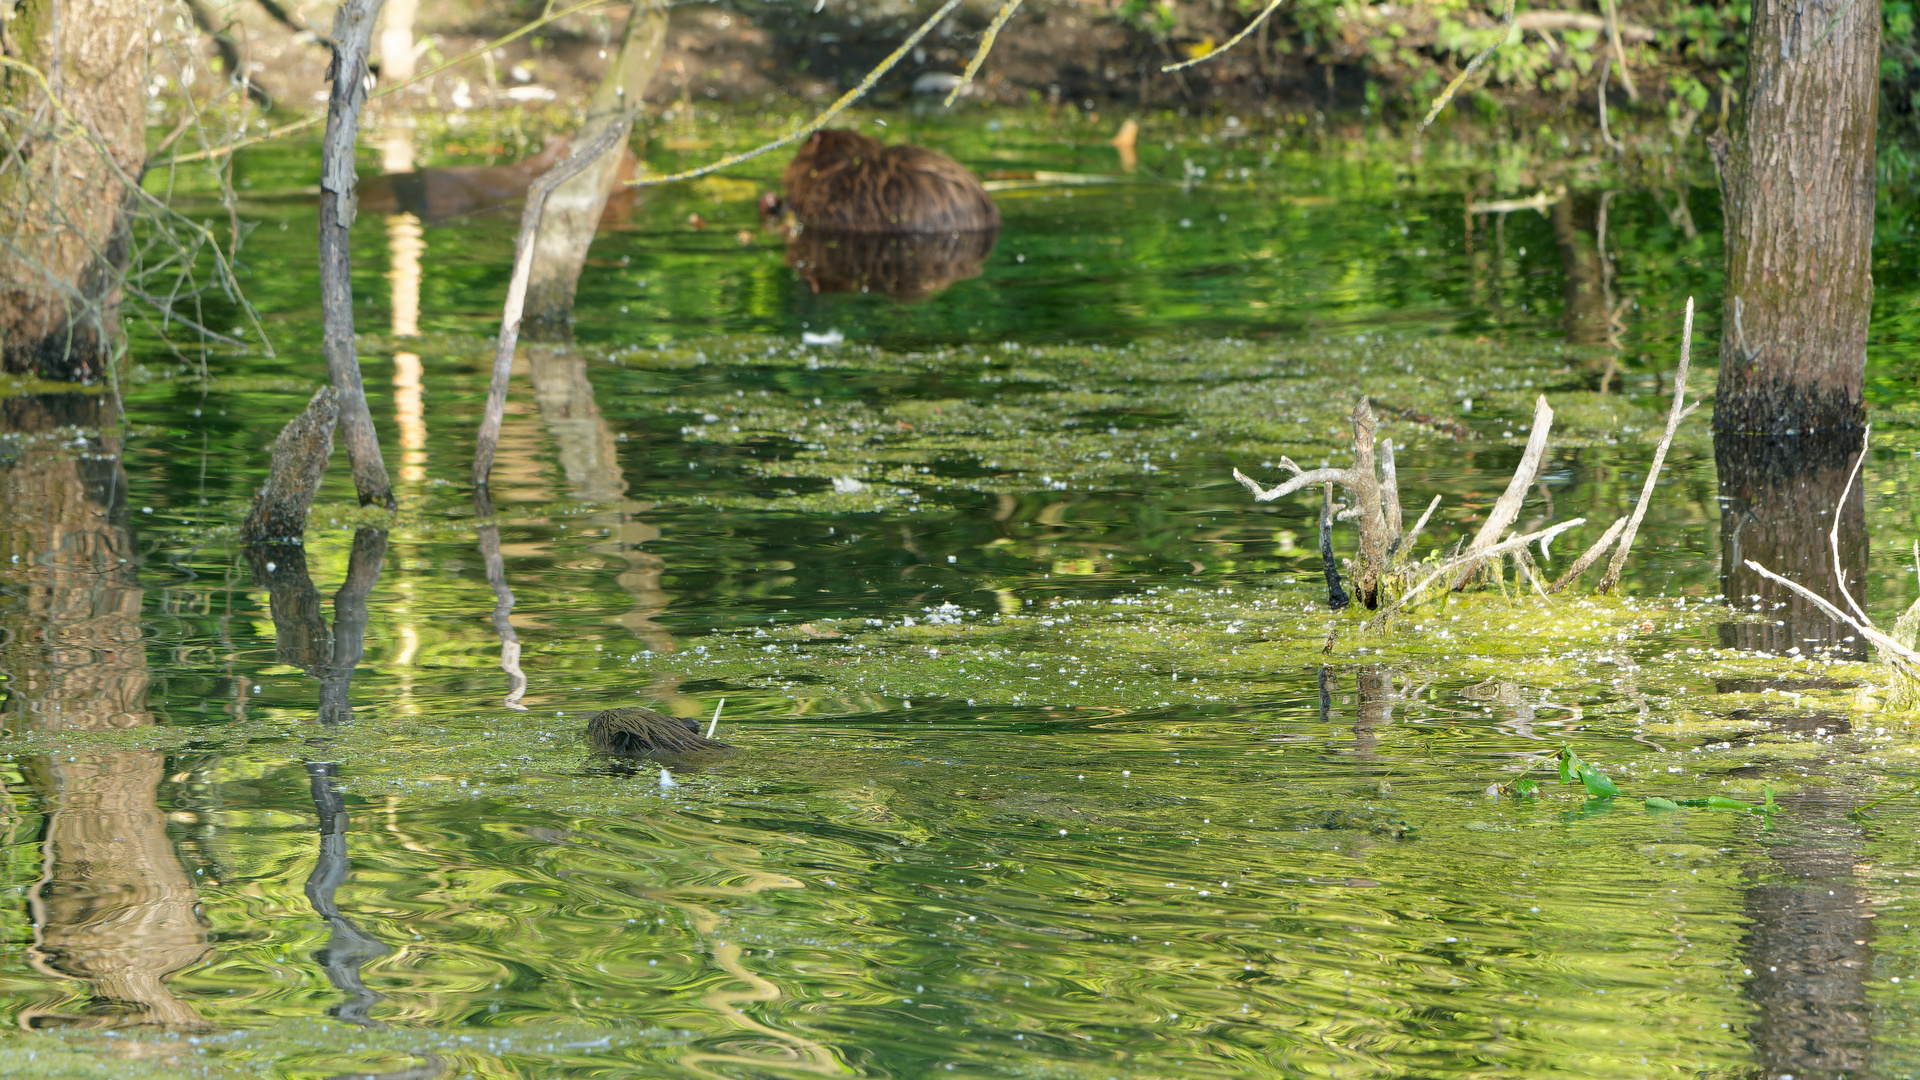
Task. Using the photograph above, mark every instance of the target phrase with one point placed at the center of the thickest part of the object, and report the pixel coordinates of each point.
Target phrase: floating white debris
(831, 337)
(666, 779)
(847, 485)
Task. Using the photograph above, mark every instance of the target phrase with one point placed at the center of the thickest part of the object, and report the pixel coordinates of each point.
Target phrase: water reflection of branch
(301, 636)
(489, 531)
(348, 946)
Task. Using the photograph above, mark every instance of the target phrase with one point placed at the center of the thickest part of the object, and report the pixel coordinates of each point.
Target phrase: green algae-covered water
(1050, 760)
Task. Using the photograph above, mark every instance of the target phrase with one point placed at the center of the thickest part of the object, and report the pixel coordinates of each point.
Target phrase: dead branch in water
(1543, 536)
(489, 438)
(1675, 414)
(1506, 509)
(279, 514)
(1581, 564)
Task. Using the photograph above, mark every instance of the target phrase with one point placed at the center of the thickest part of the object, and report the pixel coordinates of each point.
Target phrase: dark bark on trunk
(574, 209)
(1798, 185)
(1776, 508)
(352, 33)
(67, 186)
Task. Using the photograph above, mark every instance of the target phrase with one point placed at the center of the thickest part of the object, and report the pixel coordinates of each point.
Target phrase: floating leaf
(1596, 782)
(1570, 764)
(1658, 803)
(1526, 785)
(1721, 802)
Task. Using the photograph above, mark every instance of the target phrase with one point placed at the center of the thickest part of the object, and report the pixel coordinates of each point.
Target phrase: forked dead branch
(1385, 572)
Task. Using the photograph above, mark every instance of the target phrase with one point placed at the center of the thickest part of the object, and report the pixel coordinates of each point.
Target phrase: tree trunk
(1798, 186)
(573, 210)
(67, 174)
(352, 33)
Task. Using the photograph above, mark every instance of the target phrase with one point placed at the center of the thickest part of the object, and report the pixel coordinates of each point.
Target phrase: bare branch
(1406, 546)
(1473, 65)
(1592, 555)
(1343, 477)
(1898, 654)
(489, 437)
(986, 46)
(1506, 509)
(1833, 536)
(1450, 565)
(1675, 414)
(1230, 43)
(845, 101)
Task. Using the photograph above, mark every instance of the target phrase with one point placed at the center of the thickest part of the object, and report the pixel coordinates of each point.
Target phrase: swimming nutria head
(843, 181)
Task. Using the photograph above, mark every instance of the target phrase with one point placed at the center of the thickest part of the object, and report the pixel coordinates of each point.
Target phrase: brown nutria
(905, 266)
(843, 181)
(637, 732)
(437, 195)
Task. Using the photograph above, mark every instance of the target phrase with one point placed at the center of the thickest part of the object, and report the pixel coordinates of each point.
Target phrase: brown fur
(843, 181)
(638, 732)
(905, 266)
(436, 195)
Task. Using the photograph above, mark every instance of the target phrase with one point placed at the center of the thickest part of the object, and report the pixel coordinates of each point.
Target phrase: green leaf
(1526, 785)
(1596, 783)
(1658, 803)
(1570, 764)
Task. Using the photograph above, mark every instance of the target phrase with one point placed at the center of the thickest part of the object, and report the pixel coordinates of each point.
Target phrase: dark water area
(1046, 762)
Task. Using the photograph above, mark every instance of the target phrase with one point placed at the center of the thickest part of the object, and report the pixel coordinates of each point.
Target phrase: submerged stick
(489, 437)
(1592, 555)
(300, 453)
(1675, 414)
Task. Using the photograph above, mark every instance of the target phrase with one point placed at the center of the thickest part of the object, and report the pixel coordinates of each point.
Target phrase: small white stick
(715, 725)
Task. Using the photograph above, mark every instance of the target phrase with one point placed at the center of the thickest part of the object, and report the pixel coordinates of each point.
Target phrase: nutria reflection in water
(901, 220)
(437, 195)
(638, 732)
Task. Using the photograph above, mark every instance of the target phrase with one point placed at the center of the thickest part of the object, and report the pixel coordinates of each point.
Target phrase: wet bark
(1798, 185)
(1776, 508)
(574, 209)
(352, 33)
(300, 453)
(114, 907)
(72, 145)
(1810, 946)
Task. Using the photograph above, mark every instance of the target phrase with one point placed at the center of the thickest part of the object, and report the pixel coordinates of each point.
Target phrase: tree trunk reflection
(114, 907)
(1777, 509)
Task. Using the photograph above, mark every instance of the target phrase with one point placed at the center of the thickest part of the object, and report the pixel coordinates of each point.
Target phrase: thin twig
(986, 45)
(573, 165)
(1899, 655)
(1231, 42)
(1833, 535)
(1592, 555)
(1406, 546)
(1619, 50)
(1473, 65)
(1675, 414)
(845, 101)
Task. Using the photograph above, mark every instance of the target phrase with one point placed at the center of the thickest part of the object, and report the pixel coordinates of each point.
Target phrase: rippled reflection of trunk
(348, 946)
(1776, 508)
(1809, 946)
(1574, 219)
(1375, 687)
(114, 906)
(589, 456)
